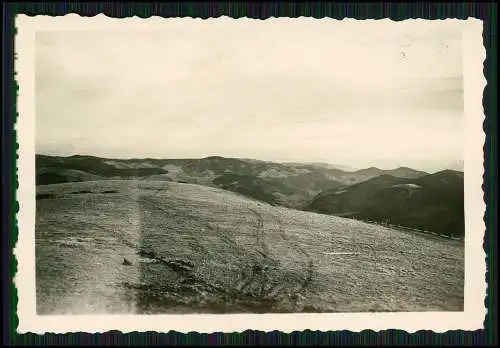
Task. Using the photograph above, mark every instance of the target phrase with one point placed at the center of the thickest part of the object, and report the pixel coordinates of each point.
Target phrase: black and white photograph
(218, 167)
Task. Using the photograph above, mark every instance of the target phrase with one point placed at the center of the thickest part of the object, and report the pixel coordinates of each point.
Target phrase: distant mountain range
(370, 193)
(323, 165)
(291, 185)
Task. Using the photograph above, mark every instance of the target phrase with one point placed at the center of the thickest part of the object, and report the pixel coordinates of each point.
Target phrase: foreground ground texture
(196, 249)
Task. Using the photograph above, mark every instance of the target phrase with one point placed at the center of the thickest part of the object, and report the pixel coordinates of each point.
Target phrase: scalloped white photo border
(471, 318)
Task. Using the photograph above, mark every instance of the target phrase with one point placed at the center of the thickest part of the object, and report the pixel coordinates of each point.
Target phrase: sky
(358, 93)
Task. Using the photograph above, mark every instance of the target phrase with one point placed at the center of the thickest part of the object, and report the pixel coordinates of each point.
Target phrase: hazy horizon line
(305, 162)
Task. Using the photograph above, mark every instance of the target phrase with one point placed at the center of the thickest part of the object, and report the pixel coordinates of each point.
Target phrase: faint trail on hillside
(260, 270)
(259, 232)
(308, 265)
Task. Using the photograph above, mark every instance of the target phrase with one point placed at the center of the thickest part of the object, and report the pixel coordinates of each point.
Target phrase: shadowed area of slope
(198, 249)
(434, 202)
(251, 186)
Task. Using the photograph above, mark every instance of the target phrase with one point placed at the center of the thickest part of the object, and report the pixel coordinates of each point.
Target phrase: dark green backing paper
(396, 11)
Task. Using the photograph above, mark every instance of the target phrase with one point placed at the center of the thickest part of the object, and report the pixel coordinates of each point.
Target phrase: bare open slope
(199, 249)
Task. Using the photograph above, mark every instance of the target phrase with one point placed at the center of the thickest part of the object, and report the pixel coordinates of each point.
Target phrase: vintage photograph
(250, 167)
(198, 170)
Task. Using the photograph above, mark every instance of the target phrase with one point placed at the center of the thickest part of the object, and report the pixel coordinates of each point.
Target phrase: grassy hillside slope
(198, 249)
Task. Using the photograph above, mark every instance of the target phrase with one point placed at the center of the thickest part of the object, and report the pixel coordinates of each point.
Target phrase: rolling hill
(433, 202)
(85, 168)
(249, 186)
(287, 184)
(373, 172)
(157, 247)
